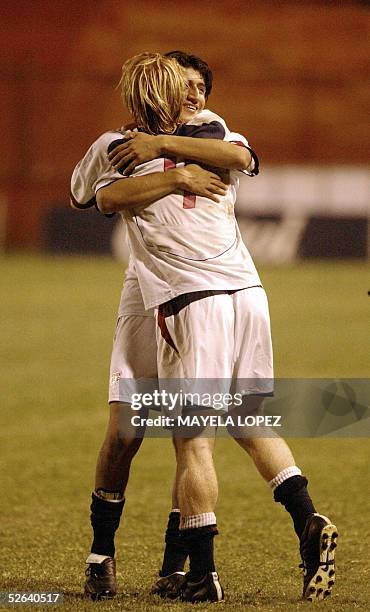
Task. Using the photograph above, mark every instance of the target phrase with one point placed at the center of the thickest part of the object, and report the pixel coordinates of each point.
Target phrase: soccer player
(128, 359)
(272, 457)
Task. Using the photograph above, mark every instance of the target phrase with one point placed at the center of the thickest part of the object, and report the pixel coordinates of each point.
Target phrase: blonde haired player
(153, 89)
(135, 333)
(208, 586)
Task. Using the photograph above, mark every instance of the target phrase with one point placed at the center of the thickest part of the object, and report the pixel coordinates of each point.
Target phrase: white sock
(109, 496)
(94, 558)
(284, 475)
(198, 520)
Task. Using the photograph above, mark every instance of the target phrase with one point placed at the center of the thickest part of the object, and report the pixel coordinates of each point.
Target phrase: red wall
(293, 76)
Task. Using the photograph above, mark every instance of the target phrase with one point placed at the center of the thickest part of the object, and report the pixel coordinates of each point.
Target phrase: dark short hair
(187, 60)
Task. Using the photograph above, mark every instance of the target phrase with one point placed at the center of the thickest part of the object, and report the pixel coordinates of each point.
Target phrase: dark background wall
(292, 76)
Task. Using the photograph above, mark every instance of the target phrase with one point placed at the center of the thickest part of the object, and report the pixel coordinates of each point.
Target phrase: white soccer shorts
(224, 337)
(133, 367)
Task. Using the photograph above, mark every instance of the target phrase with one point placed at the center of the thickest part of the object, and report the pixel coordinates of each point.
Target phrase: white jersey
(182, 242)
(131, 301)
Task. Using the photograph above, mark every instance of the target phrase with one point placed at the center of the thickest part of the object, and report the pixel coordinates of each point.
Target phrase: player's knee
(248, 412)
(241, 438)
(120, 443)
(194, 449)
(123, 437)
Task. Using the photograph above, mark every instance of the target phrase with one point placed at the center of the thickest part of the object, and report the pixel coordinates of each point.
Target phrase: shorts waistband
(173, 307)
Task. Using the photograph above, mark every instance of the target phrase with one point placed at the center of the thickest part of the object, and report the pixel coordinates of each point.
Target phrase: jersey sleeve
(204, 125)
(94, 171)
(209, 125)
(241, 141)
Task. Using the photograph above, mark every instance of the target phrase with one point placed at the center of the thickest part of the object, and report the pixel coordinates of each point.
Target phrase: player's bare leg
(271, 455)
(317, 535)
(275, 462)
(194, 497)
(196, 477)
(197, 495)
(121, 443)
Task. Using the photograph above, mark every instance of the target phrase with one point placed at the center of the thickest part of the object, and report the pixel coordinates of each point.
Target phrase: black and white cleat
(317, 547)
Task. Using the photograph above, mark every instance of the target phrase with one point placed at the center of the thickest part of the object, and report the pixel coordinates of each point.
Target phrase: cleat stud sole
(319, 560)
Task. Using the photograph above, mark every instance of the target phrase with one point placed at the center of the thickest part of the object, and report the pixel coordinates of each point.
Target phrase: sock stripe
(284, 475)
(198, 520)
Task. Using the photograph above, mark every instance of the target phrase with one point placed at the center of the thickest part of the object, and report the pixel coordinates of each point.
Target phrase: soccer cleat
(207, 589)
(101, 580)
(317, 548)
(169, 586)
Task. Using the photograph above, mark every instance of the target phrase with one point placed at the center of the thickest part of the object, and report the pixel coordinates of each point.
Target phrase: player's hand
(137, 149)
(203, 183)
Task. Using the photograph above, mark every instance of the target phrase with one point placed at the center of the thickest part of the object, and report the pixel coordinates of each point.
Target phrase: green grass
(57, 319)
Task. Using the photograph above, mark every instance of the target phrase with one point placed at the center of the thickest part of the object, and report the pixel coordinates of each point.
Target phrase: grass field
(57, 318)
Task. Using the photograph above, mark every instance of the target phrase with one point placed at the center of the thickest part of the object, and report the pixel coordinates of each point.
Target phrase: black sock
(199, 542)
(175, 553)
(105, 517)
(293, 494)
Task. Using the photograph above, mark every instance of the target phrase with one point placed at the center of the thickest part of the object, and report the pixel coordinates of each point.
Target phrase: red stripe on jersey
(161, 320)
(169, 164)
(239, 143)
(189, 200)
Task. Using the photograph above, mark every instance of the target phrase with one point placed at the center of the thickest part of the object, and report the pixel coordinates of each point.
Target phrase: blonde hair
(153, 88)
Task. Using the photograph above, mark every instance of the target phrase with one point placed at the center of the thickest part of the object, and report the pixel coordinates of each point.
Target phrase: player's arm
(141, 147)
(142, 191)
(212, 152)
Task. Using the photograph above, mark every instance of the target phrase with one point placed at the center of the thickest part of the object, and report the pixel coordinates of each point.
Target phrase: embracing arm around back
(217, 153)
(141, 147)
(132, 192)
